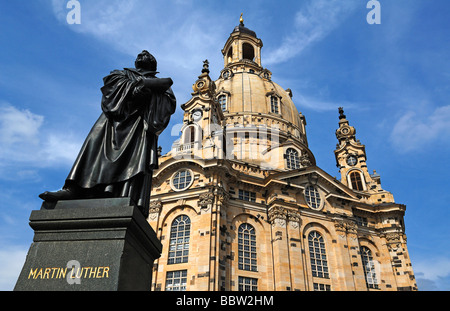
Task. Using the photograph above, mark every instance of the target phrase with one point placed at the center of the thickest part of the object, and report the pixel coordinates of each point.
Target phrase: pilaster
(280, 248)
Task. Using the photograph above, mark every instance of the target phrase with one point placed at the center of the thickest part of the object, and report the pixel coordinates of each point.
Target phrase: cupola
(242, 46)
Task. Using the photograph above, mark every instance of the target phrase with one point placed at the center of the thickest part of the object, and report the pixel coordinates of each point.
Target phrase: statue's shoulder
(115, 75)
(131, 70)
(117, 72)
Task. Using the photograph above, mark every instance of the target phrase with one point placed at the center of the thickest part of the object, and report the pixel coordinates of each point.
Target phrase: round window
(182, 180)
(352, 160)
(312, 197)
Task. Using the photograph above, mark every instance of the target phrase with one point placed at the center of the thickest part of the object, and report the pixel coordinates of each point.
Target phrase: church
(239, 204)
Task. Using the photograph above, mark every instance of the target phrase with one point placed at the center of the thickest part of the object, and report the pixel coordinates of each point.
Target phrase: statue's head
(145, 60)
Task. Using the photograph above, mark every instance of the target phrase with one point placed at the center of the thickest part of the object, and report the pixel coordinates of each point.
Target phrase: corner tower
(351, 159)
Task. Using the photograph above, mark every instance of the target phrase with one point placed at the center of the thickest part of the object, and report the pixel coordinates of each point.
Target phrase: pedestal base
(90, 245)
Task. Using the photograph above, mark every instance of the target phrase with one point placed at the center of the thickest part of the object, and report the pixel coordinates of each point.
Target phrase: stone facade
(239, 203)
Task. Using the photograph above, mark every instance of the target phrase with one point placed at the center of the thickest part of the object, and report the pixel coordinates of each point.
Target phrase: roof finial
(341, 113)
(205, 66)
(241, 20)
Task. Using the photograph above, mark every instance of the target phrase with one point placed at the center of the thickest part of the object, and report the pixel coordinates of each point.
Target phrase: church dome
(241, 28)
(250, 100)
(253, 94)
(247, 93)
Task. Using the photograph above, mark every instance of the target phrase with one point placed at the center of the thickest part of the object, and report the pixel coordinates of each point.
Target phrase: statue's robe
(120, 152)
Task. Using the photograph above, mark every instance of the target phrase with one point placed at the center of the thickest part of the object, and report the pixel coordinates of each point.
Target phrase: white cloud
(24, 142)
(16, 125)
(322, 105)
(11, 263)
(312, 24)
(414, 130)
(180, 35)
(130, 26)
(439, 267)
(432, 273)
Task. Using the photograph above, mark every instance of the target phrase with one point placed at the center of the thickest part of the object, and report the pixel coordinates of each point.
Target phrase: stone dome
(248, 95)
(251, 94)
(259, 115)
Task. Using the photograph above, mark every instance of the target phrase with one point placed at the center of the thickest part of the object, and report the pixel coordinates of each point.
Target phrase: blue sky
(393, 80)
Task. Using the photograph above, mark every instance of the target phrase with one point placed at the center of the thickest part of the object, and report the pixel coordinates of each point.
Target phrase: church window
(179, 240)
(182, 180)
(292, 159)
(355, 179)
(189, 135)
(274, 104)
(247, 284)
(312, 197)
(230, 54)
(223, 102)
(352, 160)
(176, 280)
(247, 195)
(248, 52)
(361, 221)
(322, 287)
(247, 247)
(318, 256)
(369, 267)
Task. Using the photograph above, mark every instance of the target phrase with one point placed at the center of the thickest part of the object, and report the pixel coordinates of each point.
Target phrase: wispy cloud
(313, 23)
(26, 144)
(12, 259)
(130, 26)
(179, 41)
(414, 130)
(313, 103)
(432, 274)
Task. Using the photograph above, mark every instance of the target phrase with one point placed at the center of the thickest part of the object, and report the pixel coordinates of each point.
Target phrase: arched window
(179, 240)
(356, 181)
(274, 104)
(223, 102)
(230, 54)
(369, 267)
(292, 159)
(318, 255)
(247, 51)
(247, 247)
(189, 135)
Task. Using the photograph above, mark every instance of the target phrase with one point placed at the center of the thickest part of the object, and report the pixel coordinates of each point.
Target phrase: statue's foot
(64, 194)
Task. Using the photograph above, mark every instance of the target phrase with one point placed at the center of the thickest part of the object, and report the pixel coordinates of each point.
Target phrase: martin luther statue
(120, 152)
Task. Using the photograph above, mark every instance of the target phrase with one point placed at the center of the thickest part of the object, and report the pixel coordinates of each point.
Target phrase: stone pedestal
(90, 245)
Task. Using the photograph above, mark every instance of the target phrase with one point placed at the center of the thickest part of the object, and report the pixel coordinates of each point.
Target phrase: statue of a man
(120, 152)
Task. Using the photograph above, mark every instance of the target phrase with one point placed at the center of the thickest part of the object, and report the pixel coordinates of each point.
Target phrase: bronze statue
(121, 151)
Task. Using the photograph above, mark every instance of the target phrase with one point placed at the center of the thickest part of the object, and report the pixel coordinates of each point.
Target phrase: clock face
(197, 115)
(352, 160)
